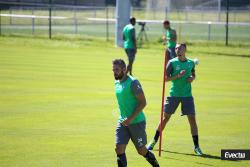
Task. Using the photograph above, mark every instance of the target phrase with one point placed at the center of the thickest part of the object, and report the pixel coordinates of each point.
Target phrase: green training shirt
(127, 102)
(129, 33)
(169, 35)
(180, 87)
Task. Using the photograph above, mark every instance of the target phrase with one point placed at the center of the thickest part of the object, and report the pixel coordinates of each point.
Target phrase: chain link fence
(99, 22)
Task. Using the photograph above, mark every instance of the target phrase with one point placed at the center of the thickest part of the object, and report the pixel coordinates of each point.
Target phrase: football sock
(196, 141)
(157, 134)
(122, 160)
(151, 159)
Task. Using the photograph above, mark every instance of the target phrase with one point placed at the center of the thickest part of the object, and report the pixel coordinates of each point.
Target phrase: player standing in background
(131, 123)
(169, 39)
(129, 38)
(181, 71)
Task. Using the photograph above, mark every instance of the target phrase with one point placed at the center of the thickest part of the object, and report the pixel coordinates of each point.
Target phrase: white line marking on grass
(32, 16)
(177, 22)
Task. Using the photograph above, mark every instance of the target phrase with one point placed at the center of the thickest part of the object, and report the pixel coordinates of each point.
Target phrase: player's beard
(119, 76)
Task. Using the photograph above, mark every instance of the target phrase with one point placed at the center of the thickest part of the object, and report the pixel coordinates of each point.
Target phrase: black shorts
(187, 105)
(171, 53)
(131, 54)
(135, 132)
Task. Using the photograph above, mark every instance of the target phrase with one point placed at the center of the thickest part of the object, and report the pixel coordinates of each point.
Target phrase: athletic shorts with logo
(187, 105)
(136, 132)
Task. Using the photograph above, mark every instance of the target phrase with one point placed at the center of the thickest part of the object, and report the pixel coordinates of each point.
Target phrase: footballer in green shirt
(169, 39)
(131, 122)
(181, 72)
(129, 39)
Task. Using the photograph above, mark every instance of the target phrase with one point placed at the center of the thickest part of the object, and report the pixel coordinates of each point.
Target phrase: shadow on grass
(203, 156)
(199, 163)
(208, 156)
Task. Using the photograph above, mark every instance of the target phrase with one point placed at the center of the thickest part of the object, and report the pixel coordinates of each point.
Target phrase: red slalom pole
(162, 98)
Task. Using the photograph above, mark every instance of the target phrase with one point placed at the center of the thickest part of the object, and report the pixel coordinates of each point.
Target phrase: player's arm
(164, 39)
(133, 38)
(169, 73)
(139, 94)
(123, 36)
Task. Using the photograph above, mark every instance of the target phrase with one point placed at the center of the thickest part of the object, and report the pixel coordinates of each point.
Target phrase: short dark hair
(132, 19)
(184, 45)
(166, 22)
(119, 62)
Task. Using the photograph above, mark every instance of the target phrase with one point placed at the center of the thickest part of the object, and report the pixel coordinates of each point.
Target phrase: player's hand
(190, 79)
(126, 122)
(182, 73)
(164, 40)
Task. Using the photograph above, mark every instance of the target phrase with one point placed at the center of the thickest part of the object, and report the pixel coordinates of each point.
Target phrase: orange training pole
(162, 99)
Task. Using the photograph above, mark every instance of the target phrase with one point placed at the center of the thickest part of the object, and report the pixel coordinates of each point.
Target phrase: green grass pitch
(58, 108)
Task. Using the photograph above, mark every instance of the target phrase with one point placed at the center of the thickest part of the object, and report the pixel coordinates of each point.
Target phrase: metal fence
(77, 21)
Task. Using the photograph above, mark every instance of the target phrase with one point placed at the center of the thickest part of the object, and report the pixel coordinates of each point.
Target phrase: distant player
(129, 38)
(181, 71)
(131, 123)
(169, 39)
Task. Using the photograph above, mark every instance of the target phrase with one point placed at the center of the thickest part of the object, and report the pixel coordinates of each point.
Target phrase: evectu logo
(235, 154)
